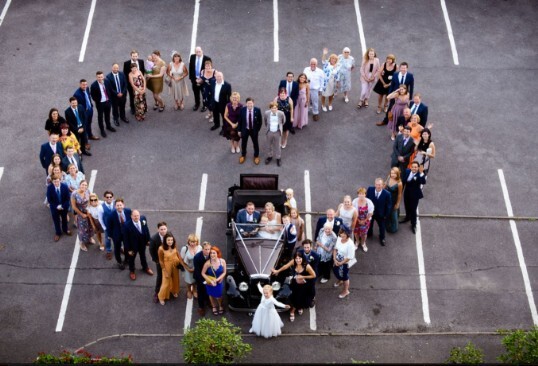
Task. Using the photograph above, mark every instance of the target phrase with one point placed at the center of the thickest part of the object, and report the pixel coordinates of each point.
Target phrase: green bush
(81, 357)
(211, 341)
(470, 354)
(521, 346)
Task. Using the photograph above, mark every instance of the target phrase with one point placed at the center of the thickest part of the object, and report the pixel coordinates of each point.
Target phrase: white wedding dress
(266, 322)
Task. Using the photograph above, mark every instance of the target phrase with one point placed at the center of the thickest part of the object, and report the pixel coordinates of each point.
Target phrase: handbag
(167, 80)
(390, 115)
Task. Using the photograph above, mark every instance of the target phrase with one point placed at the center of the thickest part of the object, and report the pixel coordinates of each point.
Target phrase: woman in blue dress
(214, 272)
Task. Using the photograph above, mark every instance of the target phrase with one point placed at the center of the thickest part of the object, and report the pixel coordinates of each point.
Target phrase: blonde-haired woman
(274, 220)
(331, 69)
(369, 70)
(394, 185)
(232, 113)
(96, 219)
(187, 253)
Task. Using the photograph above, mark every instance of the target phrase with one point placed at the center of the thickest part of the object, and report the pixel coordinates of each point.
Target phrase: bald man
(135, 239)
(221, 92)
(196, 64)
(315, 77)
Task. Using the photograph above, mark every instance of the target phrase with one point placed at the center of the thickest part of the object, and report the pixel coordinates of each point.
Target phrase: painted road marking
(450, 34)
(359, 24)
(72, 268)
(276, 48)
(308, 205)
(195, 25)
(87, 32)
(4, 11)
(422, 274)
(519, 250)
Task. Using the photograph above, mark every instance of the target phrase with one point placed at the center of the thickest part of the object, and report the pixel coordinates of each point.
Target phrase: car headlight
(243, 286)
(276, 286)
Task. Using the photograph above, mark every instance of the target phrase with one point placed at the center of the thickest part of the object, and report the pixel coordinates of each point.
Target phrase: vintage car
(254, 256)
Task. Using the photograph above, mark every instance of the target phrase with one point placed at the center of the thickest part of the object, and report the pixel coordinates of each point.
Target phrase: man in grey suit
(274, 121)
(402, 149)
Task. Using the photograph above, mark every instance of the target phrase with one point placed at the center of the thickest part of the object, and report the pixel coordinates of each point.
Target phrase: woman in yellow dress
(169, 259)
(155, 80)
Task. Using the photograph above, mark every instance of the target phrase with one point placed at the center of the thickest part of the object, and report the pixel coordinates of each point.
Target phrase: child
(266, 322)
(291, 236)
(290, 201)
(263, 231)
(148, 65)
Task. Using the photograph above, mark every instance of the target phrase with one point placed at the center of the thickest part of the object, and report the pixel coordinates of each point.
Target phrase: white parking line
(195, 25)
(308, 205)
(450, 35)
(87, 32)
(72, 268)
(198, 231)
(359, 23)
(422, 275)
(1, 172)
(275, 31)
(519, 250)
(4, 11)
(313, 318)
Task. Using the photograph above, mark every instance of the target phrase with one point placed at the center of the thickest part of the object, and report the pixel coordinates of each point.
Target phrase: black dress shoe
(132, 111)
(111, 129)
(116, 122)
(214, 128)
(87, 153)
(292, 131)
(221, 132)
(382, 242)
(195, 108)
(121, 266)
(203, 109)
(268, 160)
(403, 221)
(103, 134)
(278, 162)
(414, 229)
(125, 120)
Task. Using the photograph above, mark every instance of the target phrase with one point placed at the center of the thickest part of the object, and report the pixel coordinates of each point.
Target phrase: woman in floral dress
(80, 199)
(347, 64)
(138, 82)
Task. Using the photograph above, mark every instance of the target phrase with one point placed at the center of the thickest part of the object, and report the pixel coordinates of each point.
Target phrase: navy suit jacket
(198, 262)
(192, 66)
(338, 223)
(383, 204)
(95, 90)
(112, 83)
(114, 227)
(422, 112)
(45, 155)
(294, 90)
(107, 212)
(257, 120)
(66, 162)
(312, 258)
(53, 199)
(127, 68)
(81, 99)
(72, 119)
(412, 188)
(132, 238)
(409, 81)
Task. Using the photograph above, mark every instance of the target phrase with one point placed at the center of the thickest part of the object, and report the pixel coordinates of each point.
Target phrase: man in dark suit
(48, 149)
(417, 107)
(58, 197)
(84, 100)
(382, 203)
(154, 244)
(336, 222)
(118, 96)
(221, 92)
(72, 158)
(404, 119)
(76, 118)
(135, 239)
(127, 69)
(402, 149)
(108, 208)
(114, 227)
(291, 86)
(196, 65)
(413, 179)
(250, 123)
(248, 215)
(401, 77)
(100, 92)
(198, 261)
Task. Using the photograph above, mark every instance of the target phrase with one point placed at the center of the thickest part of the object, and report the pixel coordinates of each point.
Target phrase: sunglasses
(93, 199)
(108, 197)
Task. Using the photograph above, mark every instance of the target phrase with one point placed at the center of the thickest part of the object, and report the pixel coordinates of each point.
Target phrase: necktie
(88, 103)
(405, 141)
(72, 160)
(122, 220)
(377, 195)
(53, 147)
(117, 83)
(79, 122)
(289, 88)
(402, 79)
(59, 194)
(410, 177)
(414, 110)
(104, 91)
(139, 227)
(250, 120)
(197, 67)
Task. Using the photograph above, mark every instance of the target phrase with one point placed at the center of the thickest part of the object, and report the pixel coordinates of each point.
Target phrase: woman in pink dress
(402, 100)
(300, 118)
